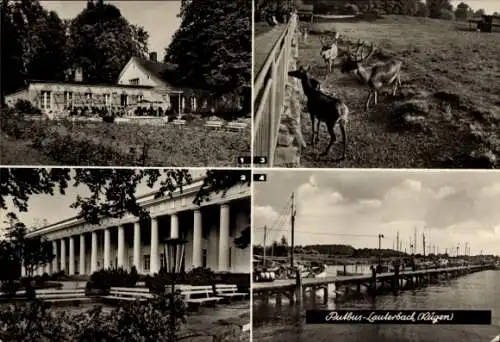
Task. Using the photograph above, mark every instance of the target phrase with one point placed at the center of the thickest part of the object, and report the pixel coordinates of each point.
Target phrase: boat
(496, 339)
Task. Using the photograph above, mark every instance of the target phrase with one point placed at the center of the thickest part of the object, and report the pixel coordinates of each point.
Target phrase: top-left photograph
(126, 83)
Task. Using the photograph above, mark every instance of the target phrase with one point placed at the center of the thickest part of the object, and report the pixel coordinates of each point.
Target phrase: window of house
(204, 258)
(147, 262)
(68, 98)
(46, 99)
(123, 100)
(134, 81)
(107, 99)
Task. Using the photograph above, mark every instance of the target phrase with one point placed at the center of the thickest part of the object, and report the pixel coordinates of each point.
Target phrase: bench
(196, 296)
(229, 291)
(63, 295)
(129, 293)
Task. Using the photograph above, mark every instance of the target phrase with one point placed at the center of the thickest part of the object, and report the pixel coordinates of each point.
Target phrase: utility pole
(380, 237)
(415, 240)
(423, 243)
(458, 247)
(293, 229)
(265, 237)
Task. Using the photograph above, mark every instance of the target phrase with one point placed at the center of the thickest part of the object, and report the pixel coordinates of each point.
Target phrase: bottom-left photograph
(91, 254)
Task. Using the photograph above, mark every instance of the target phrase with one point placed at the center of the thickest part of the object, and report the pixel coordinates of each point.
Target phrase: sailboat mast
(265, 238)
(293, 230)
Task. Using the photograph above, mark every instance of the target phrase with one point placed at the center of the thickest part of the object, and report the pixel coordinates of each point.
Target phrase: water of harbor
(477, 291)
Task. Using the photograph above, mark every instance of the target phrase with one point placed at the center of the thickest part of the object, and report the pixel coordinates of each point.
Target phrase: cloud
(354, 207)
(264, 215)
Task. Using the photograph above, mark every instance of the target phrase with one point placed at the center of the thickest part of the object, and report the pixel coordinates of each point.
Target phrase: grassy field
(453, 73)
(104, 144)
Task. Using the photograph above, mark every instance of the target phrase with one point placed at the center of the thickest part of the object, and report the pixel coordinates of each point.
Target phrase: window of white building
(134, 81)
(147, 262)
(204, 258)
(46, 99)
(68, 98)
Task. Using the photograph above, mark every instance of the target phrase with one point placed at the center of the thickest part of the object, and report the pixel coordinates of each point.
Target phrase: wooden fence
(269, 94)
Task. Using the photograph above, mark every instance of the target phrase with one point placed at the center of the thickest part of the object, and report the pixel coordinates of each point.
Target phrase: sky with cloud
(159, 18)
(57, 207)
(353, 207)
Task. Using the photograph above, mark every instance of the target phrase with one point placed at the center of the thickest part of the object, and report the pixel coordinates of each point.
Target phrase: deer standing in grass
(377, 76)
(329, 49)
(324, 108)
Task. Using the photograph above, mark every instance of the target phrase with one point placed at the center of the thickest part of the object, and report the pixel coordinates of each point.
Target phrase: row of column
(223, 256)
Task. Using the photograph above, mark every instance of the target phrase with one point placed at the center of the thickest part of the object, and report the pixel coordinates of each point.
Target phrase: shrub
(351, 9)
(136, 321)
(447, 15)
(108, 118)
(11, 287)
(26, 107)
(119, 277)
(198, 276)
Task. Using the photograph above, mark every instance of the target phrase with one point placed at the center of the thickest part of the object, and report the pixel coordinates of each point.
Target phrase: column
(54, 261)
(71, 256)
(197, 233)
(137, 246)
(174, 226)
(93, 253)
(154, 266)
(224, 238)
(82, 255)
(107, 247)
(63, 255)
(121, 246)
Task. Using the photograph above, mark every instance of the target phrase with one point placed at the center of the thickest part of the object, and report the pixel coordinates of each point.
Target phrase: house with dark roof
(141, 83)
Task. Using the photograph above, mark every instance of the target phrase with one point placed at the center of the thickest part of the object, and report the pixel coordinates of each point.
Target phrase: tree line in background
(211, 49)
(439, 9)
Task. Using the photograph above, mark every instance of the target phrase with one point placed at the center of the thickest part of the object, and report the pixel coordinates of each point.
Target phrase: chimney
(79, 74)
(153, 57)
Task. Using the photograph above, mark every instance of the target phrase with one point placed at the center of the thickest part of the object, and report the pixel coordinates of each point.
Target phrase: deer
(329, 50)
(323, 107)
(377, 76)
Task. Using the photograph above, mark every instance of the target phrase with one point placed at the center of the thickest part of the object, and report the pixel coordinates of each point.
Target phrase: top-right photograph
(377, 84)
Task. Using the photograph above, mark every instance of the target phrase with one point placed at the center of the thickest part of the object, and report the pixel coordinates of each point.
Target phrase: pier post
(373, 285)
(313, 295)
(325, 294)
(358, 288)
(278, 301)
(298, 287)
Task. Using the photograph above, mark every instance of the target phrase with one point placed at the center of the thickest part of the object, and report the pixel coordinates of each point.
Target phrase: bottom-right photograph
(376, 255)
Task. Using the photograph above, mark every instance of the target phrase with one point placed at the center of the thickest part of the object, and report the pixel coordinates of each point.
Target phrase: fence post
(272, 113)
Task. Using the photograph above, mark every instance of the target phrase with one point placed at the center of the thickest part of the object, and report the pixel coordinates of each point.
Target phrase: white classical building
(209, 229)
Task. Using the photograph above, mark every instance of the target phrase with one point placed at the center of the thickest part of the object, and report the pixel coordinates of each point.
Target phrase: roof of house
(157, 69)
(93, 84)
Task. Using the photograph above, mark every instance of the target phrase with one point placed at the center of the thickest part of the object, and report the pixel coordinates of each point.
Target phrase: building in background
(209, 229)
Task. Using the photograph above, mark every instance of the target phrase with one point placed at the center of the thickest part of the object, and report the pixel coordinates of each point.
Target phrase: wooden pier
(297, 289)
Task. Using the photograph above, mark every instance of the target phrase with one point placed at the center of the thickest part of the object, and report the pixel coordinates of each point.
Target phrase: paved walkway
(263, 45)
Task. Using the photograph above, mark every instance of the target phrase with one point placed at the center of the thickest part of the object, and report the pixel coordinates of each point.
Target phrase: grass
(20, 152)
(68, 143)
(456, 72)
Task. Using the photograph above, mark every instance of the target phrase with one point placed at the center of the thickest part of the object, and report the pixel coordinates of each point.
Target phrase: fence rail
(269, 94)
